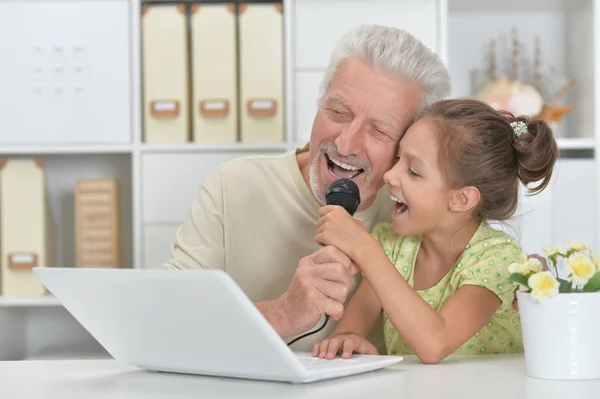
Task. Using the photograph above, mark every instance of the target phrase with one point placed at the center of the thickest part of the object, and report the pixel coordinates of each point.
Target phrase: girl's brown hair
(480, 148)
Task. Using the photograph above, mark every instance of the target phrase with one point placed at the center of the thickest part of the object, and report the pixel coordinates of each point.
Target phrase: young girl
(439, 272)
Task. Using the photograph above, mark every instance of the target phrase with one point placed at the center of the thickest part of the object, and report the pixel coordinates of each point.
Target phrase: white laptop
(191, 321)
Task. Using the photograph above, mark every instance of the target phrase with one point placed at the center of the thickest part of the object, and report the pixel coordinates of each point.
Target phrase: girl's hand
(344, 343)
(337, 228)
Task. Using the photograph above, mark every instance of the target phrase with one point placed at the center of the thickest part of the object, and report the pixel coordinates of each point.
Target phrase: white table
(496, 376)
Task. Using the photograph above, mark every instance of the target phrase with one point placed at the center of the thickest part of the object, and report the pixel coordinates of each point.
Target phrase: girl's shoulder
(490, 238)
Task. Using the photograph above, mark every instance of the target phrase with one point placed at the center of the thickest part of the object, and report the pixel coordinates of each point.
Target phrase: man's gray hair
(396, 52)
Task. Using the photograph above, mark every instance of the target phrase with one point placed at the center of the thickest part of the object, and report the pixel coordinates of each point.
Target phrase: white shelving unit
(82, 114)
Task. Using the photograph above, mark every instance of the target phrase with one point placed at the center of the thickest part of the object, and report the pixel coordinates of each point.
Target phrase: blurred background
(113, 112)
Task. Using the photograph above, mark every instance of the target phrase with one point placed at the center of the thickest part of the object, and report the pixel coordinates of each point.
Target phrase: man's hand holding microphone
(322, 280)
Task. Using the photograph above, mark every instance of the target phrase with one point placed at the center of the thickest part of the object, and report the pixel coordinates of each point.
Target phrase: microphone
(343, 192)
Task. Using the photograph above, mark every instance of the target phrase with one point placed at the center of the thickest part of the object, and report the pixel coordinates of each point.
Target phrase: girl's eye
(412, 172)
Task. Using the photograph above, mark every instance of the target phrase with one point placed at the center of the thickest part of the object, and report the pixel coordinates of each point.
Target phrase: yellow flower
(576, 245)
(558, 250)
(581, 268)
(525, 265)
(543, 285)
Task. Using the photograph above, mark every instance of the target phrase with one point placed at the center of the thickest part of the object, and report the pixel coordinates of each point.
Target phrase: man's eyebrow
(388, 122)
(383, 121)
(337, 99)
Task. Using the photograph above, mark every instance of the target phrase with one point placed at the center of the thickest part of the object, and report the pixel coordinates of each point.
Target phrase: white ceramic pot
(561, 336)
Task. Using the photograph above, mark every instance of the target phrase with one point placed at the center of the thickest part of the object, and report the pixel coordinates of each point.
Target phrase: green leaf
(565, 285)
(519, 279)
(593, 284)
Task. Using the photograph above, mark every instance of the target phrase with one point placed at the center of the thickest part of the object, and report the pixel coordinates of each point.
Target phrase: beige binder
(214, 71)
(261, 72)
(97, 223)
(24, 224)
(165, 74)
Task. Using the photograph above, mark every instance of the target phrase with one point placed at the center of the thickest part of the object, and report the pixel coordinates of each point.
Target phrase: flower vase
(561, 335)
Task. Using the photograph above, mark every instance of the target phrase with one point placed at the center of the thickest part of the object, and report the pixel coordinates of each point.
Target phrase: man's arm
(200, 245)
(199, 242)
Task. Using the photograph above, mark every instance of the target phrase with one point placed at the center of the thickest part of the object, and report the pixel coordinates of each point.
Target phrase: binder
(97, 223)
(23, 227)
(214, 71)
(165, 72)
(261, 72)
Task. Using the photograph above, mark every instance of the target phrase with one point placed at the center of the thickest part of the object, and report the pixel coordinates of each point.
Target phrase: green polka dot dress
(483, 263)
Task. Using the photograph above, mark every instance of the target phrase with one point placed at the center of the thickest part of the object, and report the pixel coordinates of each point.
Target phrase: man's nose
(351, 139)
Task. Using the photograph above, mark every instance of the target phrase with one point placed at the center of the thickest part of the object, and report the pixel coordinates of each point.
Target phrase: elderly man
(255, 217)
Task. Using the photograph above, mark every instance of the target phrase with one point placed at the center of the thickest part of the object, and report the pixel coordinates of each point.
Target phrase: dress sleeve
(488, 268)
(380, 231)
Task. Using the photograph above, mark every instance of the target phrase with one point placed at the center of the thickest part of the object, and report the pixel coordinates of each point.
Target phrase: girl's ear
(464, 199)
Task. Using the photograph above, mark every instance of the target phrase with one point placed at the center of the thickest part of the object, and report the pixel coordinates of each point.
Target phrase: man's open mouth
(342, 170)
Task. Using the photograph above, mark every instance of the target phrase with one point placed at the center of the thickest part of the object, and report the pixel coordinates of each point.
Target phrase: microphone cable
(310, 332)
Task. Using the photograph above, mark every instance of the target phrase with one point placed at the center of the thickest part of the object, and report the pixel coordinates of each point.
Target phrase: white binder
(23, 227)
(214, 71)
(165, 73)
(261, 72)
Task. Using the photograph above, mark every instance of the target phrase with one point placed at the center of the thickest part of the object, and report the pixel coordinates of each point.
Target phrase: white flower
(525, 265)
(558, 250)
(580, 268)
(576, 245)
(543, 285)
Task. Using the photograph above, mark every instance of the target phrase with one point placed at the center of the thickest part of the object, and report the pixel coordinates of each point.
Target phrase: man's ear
(464, 199)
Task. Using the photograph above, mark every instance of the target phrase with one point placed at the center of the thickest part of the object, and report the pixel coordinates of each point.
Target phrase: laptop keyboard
(314, 363)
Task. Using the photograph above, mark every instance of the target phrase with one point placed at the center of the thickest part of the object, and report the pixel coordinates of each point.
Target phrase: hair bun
(536, 151)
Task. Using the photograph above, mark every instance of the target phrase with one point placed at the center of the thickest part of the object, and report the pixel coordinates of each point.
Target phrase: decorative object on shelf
(97, 223)
(538, 98)
(559, 312)
(24, 226)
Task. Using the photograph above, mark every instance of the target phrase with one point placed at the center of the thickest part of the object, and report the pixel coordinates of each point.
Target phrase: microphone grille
(345, 193)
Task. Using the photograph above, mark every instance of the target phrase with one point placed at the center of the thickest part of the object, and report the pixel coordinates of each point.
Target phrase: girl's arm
(358, 320)
(361, 313)
(431, 335)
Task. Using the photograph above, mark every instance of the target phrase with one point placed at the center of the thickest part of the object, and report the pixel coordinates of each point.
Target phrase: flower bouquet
(558, 310)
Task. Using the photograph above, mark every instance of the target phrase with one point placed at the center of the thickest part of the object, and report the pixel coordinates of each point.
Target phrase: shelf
(215, 147)
(47, 301)
(67, 149)
(509, 5)
(576, 143)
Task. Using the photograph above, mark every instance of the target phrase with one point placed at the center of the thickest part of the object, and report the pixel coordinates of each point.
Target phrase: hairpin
(519, 127)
